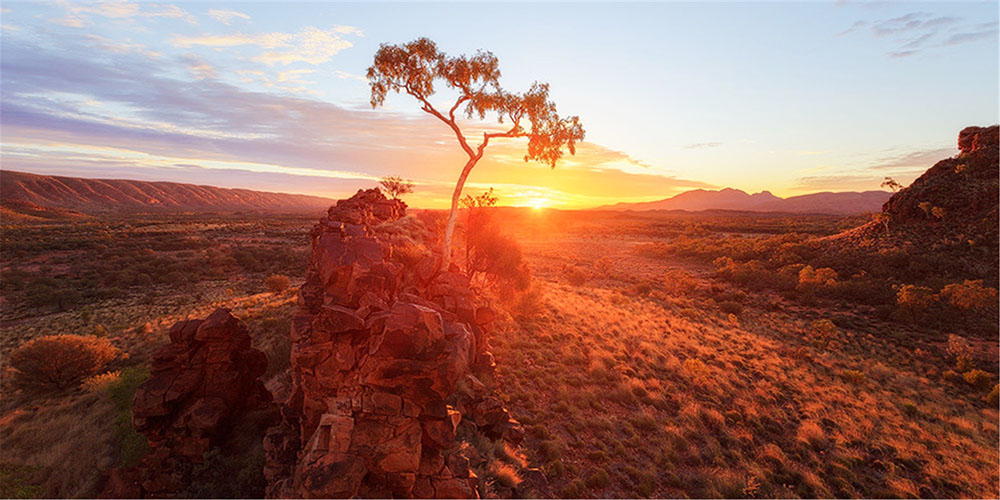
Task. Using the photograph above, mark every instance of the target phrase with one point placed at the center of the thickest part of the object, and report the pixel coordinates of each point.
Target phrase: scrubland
(652, 355)
(644, 370)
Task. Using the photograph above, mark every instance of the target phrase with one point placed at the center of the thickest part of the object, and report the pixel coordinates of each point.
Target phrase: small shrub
(695, 368)
(505, 474)
(101, 381)
(574, 489)
(598, 480)
(977, 378)
(960, 349)
(855, 377)
(730, 307)
(277, 283)
(60, 361)
(577, 276)
(550, 450)
(970, 295)
(951, 376)
(994, 396)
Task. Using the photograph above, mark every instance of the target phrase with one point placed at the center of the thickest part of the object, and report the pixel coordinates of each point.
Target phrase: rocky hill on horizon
(845, 203)
(33, 196)
(951, 210)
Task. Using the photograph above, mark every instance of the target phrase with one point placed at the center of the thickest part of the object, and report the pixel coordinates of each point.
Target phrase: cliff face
(386, 366)
(204, 383)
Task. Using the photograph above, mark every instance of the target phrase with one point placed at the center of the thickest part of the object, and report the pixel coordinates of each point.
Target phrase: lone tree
(416, 66)
(396, 186)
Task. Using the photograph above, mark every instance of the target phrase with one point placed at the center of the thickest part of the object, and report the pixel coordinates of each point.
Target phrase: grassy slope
(671, 397)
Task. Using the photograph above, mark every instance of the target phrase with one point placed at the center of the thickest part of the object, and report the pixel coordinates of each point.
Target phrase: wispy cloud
(227, 16)
(311, 45)
(78, 15)
(703, 145)
(913, 159)
(134, 114)
(916, 32)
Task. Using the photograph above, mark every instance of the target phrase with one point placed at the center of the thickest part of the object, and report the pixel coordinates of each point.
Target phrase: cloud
(72, 109)
(703, 145)
(973, 36)
(227, 16)
(78, 15)
(915, 32)
(311, 45)
(913, 159)
(344, 75)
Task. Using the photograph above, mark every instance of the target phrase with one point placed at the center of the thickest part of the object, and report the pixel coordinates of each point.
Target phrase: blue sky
(789, 97)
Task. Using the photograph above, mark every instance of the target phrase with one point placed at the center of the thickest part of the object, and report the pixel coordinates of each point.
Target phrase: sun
(537, 203)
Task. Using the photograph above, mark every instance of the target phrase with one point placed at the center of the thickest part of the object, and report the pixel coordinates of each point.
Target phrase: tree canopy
(418, 68)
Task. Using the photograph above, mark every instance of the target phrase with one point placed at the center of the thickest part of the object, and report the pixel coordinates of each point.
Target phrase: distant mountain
(29, 194)
(735, 199)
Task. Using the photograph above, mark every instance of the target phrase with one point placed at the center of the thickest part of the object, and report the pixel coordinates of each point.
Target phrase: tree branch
(487, 136)
(451, 112)
(429, 108)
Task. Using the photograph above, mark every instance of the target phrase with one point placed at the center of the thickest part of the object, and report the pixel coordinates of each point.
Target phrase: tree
(487, 250)
(414, 68)
(891, 183)
(396, 186)
(60, 361)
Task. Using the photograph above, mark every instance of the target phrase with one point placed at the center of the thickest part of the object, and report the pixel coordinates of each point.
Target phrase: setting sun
(538, 203)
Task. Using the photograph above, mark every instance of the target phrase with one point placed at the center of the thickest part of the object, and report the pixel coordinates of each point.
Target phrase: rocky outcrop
(952, 211)
(201, 384)
(386, 366)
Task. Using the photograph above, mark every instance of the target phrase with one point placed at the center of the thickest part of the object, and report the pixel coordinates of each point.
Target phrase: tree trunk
(450, 228)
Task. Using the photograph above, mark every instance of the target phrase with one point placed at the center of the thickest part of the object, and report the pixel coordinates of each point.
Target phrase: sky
(790, 97)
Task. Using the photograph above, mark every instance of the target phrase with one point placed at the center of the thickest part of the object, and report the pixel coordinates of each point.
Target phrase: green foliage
(16, 481)
(132, 445)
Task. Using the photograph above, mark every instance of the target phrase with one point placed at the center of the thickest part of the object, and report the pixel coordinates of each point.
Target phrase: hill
(735, 199)
(25, 194)
(950, 211)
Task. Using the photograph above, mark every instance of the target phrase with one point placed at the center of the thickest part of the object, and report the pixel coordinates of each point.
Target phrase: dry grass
(704, 405)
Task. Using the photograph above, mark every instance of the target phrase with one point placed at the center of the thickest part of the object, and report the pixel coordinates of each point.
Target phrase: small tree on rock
(396, 186)
(414, 68)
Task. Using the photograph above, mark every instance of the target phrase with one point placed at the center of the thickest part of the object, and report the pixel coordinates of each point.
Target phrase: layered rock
(201, 385)
(385, 366)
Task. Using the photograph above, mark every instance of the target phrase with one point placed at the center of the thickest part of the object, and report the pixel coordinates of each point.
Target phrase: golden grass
(713, 406)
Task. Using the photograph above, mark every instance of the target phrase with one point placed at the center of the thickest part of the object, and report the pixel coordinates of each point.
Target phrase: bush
(977, 378)
(598, 479)
(277, 283)
(994, 396)
(60, 361)
(970, 295)
(730, 307)
(855, 377)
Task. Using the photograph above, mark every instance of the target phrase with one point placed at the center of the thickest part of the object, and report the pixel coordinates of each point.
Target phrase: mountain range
(735, 199)
(47, 196)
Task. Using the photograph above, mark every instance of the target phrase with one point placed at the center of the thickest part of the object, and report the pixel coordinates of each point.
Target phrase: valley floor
(652, 391)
